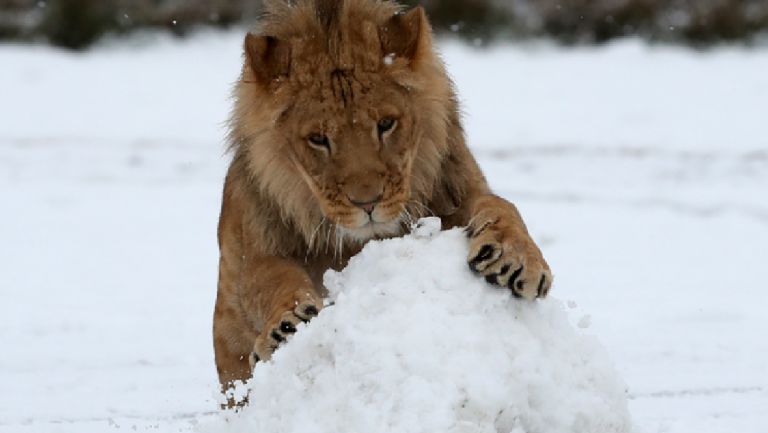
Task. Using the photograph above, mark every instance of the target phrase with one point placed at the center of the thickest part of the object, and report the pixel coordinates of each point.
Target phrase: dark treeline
(78, 23)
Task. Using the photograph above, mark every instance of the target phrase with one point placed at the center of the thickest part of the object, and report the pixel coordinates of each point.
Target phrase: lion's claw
(284, 326)
(307, 313)
(485, 256)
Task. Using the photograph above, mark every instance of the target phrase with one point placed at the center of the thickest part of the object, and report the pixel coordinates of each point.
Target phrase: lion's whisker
(338, 246)
(409, 220)
(312, 245)
(429, 212)
(329, 227)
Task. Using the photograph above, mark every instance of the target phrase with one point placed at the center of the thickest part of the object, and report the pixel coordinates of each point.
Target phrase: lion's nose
(366, 205)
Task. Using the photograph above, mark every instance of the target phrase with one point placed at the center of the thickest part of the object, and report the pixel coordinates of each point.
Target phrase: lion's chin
(372, 230)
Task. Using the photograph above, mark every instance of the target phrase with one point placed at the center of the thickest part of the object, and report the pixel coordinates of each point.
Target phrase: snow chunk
(416, 343)
(427, 227)
(389, 59)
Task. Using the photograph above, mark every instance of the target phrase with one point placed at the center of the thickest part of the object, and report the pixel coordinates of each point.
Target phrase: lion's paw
(283, 325)
(507, 256)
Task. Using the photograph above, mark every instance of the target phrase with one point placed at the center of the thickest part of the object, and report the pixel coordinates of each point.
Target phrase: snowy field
(642, 171)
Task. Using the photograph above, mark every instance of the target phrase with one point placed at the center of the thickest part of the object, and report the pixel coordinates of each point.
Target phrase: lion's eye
(319, 140)
(386, 124)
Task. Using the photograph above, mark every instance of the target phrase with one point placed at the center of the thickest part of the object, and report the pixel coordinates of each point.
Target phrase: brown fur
(311, 158)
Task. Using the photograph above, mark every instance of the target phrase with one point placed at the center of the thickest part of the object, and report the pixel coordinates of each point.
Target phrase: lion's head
(342, 111)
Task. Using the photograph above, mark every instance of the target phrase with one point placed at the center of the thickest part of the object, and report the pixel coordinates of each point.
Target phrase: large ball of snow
(416, 343)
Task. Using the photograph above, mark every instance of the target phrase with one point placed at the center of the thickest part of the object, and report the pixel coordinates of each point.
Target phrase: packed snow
(415, 343)
(640, 169)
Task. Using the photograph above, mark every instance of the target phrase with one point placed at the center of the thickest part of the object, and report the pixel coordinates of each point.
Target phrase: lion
(345, 128)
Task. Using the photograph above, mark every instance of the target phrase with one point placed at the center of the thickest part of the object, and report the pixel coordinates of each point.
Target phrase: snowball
(585, 321)
(416, 343)
(389, 59)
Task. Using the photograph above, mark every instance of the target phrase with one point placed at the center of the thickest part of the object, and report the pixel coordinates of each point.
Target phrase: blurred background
(632, 135)
(78, 23)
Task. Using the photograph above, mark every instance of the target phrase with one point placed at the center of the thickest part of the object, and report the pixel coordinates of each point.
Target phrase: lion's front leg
(502, 250)
(278, 295)
(258, 307)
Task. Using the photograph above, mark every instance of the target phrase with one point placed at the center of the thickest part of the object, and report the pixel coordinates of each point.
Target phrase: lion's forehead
(343, 87)
(346, 95)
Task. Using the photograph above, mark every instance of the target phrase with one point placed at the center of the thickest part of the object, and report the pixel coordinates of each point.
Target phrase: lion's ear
(407, 35)
(267, 57)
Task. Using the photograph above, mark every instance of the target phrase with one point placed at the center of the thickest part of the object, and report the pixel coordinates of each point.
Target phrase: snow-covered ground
(643, 172)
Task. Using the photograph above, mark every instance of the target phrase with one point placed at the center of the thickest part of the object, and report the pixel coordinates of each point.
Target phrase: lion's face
(336, 110)
(351, 138)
